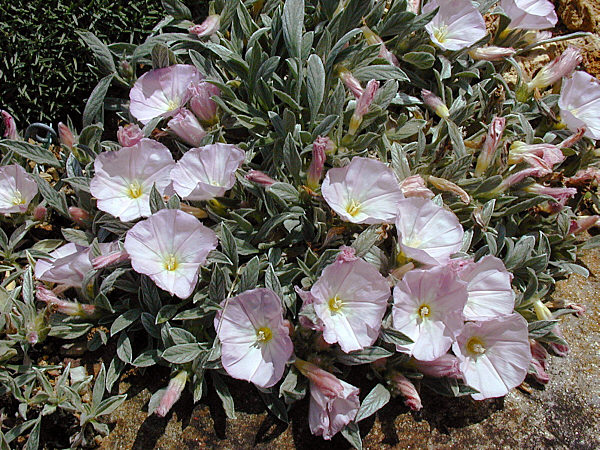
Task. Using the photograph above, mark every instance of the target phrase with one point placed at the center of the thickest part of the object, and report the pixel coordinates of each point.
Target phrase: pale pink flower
(350, 298)
(560, 67)
(207, 172)
(260, 178)
(362, 106)
(65, 135)
(39, 212)
(209, 27)
(530, 14)
(428, 308)
(116, 257)
(427, 233)
(489, 289)
(328, 414)
(123, 179)
(494, 355)
(414, 186)
(579, 103)
(201, 102)
(350, 82)
(186, 126)
(161, 92)
(492, 139)
(315, 170)
(491, 53)
(17, 189)
(174, 389)
(255, 340)
(68, 308)
(548, 153)
(446, 365)
(129, 135)
(69, 264)
(457, 25)
(407, 389)
(365, 191)
(10, 127)
(170, 247)
(435, 103)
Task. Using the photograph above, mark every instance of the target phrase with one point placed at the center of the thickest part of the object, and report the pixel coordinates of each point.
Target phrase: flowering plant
(298, 190)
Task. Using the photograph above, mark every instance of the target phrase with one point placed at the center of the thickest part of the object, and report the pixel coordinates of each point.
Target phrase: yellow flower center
(335, 304)
(135, 189)
(424, 311)
(441, 34)
(353, 208)
(173, 104)
(18, 199)
(264, 334)
(171, 263)
(475, 346)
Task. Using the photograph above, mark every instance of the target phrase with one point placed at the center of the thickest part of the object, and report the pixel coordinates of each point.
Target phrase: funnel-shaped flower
(350, 299)
(169, 247)
(428, 307)
(489, 289)
(579, 103)
(530, 14)
(123, 179)
(207, 172)
(161, 92)
(365, 191)
(427, 233)
(494, 355)
(17, 189)
(457, 25)
(185, 125)
(255, 341)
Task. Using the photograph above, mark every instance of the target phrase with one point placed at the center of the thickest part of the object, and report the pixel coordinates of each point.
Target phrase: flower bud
(201, 103)
(373, 39)
(560, 67)
(362, 106)
(196, 212)
(260, 178)
(125, 69)
(492, 139)
(574, 138)
(129, 135)
(435, 103)
(78, 215)
(315, 171)
(328, 145)
(65, 135)
(449, 186)
(10, 127)
(521, 152)
(405, 388)
(491, 53)
(100, 262)
(328, 383)
(520, 176)
(414, 186)
(583, 223)
(207, 28)
(39, 213)
(350, 82)
(559, 349)
(560, 194)
(583, 177)
(538, 362)
(541, 311)
(444, 366)
(45, 295)
(174, 389)
(185, 125)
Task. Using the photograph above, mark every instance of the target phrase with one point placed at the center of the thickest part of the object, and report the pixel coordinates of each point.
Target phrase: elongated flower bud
(328, 383)
(174, 389)
(491, 53)
(78, 215)
(435, 103)
(196, 212)
(520, 176)
(541, 311)
(328, 145)
(550, 154)
(350, 82)
(583, 223)
(492, 139)
(362, 106)
(129, 135)
(560, 67)
(315, 171)
(185, 125)
(414, 6)
(538, 362)
(405, 387)
(103, 261)
(384, 53)
(560, 194)
(260, 178)
(573, 139)
(45, 295)
(65, 135)
(449, 186)
(207, 28)
(591, 175)
(10, 127)
(445, 366)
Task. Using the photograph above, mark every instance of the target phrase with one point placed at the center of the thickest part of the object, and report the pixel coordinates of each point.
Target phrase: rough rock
(579, 15)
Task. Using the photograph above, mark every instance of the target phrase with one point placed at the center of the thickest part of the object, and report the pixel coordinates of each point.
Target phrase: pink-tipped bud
(207, 28)
(260, 178)
(326, 143)
(78, 215)
(407, 389)
(103, 261)
(445, 366)
(65, 135)
(448, 186)
(186, 126)
(129, 135)
(201, 102)
(559, 349)
(492, 139)
(373, 39)
(196, 212)
(350, 82)
(328, 383)
(491, 53)
(174, 389)
(578, 308)
(47, 296)
(414, 186)
(583, 223)
(435, 103)
(517, 177)
(39, 213)
(562, 66)
(126, 69)
(315, 171)
(573, 139)
(362, 105)
(538, 362)
(32, 337)
(560, 194)
(10, 127)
